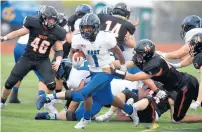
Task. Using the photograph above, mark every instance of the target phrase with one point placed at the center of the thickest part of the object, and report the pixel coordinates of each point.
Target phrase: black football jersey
(170, 77)
(41, 40)
(197, 62)
(118, 26)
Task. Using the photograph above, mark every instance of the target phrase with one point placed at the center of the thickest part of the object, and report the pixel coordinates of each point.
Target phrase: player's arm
(185, 62)
(15, 34)
(178, 54)
(129, 64)
(150, 83)
(58, 48)
(171, 103)
(129, 40)
(116, 50)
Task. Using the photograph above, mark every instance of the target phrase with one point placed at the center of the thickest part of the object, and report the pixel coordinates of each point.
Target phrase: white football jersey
(191, 33)
(118, 85)
(23, 39)
(97, 52)
(75, 78)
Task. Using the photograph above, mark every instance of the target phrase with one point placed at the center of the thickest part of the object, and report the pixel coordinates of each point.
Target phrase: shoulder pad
(60, 32)
(31, 21)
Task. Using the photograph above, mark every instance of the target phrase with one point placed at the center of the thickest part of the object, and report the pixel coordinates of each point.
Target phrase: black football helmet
(106, 10)
(189, 23)
(195, 44)
(45, 13)
(144, 50)
(62, 19)
(90, 20)
(122, 9)
(81, 10)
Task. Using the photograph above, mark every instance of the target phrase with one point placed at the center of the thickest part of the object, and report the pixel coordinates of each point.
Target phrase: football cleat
(51, 108)
(42, 99)
(82, 124)
(42, 116)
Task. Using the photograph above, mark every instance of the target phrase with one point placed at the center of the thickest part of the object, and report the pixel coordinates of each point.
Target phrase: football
(78, 54)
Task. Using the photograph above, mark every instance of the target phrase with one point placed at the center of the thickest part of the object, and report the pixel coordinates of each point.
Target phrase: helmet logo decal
(147, 48)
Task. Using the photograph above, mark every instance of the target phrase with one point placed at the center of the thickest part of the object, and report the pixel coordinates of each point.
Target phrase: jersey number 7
(43, 46)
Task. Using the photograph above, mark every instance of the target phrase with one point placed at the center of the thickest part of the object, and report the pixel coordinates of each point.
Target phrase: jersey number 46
(43, 46)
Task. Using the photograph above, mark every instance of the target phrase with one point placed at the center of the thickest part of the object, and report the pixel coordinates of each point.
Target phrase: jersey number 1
(115, 30)
(42, 48)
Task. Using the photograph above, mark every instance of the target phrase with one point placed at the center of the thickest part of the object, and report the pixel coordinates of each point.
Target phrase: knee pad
(68, 95)
(51, 86)
(8, 85)
(70, 116)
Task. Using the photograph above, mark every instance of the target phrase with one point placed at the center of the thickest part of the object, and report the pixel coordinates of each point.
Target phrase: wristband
(164, 55)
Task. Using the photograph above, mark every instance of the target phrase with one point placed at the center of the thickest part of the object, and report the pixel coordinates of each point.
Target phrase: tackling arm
(15, 34)
(178, 54)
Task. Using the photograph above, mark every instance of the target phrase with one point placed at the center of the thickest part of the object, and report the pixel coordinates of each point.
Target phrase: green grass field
(20, 117)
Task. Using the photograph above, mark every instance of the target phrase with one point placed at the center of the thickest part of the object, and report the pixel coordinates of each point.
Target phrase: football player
(97, 51)
(155, 67)
(190, 26)
(195, 53)
(43, 34)
(118, 22)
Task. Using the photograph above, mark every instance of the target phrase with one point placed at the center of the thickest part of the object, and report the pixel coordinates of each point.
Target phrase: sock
(15, 89)
(135, 107)
(51, 96)
(57, 91)
(128, 109)
(87, 115)
(40, 92)
(3, 100)
(110, 112)
(53, 116)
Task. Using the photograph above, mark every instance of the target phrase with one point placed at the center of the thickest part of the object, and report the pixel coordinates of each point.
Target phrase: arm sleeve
(75, 44)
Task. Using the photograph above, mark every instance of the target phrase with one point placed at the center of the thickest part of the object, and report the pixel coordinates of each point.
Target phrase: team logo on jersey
(93, 52)
(83, 46)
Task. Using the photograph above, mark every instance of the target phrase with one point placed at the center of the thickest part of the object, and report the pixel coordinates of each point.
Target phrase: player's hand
(159, 52)
(195, 105)
(78, 62)
(109, 70)
(3, 38)
(161, 94)
(55, 65)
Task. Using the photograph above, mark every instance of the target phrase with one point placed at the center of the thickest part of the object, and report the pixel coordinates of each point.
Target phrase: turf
(20, 117)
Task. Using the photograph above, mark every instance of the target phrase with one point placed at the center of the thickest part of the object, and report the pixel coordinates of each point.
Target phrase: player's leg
(44, 68)
(18, 51)
(183, 101)
(18, 72)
